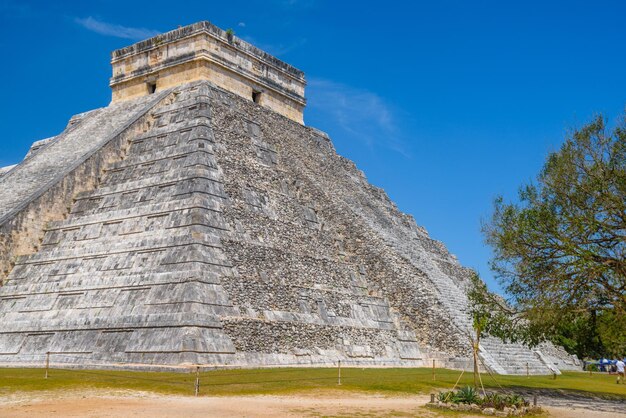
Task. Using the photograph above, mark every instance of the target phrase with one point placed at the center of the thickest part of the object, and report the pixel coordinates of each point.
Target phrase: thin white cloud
(241, 24)
(362, 114)
(111, 29)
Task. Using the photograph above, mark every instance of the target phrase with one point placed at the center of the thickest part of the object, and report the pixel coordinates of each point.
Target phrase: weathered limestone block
(197, 226)
(42, 187)
(203, 51)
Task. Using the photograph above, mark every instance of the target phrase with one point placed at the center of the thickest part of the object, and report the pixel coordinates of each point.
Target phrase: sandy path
(138, 404)
(149, 405)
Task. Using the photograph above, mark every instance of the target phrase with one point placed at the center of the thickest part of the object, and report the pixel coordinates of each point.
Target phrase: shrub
(516, 401)
(445, 397)
(493, 400)
(466, 395)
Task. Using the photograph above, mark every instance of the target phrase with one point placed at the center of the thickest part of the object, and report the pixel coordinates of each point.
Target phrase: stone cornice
(216, 59)
(215, 32)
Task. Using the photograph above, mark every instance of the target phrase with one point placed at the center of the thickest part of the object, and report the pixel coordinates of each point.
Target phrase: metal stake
(433, 369)
(339, 372)
(527, 372)
(197, 380)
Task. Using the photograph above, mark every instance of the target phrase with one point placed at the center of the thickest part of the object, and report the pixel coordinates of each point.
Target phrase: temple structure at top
(203, 51)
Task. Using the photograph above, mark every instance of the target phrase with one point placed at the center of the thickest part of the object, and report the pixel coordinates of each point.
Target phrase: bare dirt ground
(108, 404)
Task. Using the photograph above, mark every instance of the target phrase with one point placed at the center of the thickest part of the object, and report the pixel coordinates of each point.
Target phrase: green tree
(612, 328)
(560, 251)
(481, 315)
(579, 334)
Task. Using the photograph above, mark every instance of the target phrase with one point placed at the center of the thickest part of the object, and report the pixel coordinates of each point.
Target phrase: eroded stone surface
(200, 222)
(218, 232)
(202, 51)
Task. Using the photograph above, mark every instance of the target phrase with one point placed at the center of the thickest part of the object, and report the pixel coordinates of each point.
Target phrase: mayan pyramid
(196, 220)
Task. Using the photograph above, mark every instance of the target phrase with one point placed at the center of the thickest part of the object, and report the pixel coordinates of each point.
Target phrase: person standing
(620, 370)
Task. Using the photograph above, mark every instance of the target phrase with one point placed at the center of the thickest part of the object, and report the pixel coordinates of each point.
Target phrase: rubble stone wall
(214, 231)
(295, 235)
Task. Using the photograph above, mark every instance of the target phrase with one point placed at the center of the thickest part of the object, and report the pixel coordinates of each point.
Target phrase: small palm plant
(516, 401)
(445, 396)
(467, 395)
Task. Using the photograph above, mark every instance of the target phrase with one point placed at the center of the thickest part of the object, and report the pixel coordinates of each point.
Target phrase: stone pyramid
(196, 220)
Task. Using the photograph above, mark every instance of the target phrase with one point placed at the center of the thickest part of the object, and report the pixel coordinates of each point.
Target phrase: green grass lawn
(291, 380)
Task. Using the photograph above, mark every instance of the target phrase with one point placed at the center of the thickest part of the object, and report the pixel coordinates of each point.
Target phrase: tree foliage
(560, 251)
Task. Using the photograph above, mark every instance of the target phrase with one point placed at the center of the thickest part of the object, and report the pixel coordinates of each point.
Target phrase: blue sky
(444, 104)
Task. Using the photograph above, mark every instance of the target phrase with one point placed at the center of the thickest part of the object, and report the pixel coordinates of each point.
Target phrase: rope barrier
(93, 373)
(190, 376)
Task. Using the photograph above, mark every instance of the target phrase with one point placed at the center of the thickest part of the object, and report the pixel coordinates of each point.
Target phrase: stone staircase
(133, 273)
(450, 280)
(280, 254)
(513, 358)
(137, 272)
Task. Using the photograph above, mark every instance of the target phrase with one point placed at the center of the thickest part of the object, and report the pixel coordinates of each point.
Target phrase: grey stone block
(221, 233)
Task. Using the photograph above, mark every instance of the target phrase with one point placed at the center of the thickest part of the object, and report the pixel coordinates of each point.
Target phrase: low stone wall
(477, 409)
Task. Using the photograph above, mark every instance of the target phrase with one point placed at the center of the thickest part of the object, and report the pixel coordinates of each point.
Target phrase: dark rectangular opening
(256, 96)
(151, 88)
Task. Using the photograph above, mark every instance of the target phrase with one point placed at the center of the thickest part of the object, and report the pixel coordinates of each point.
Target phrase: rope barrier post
(197, 386)
(47, 363)
(527, 371)
(534, 400)
(433, 369)
(432, 398)
(339, 372)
